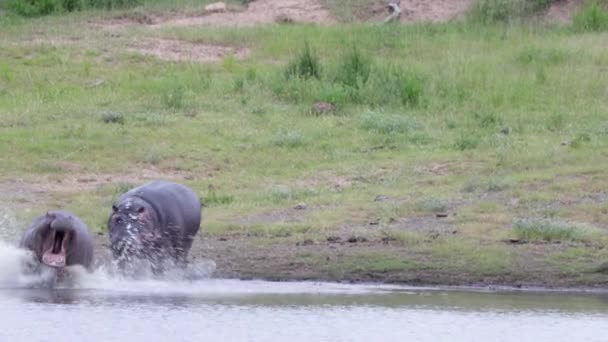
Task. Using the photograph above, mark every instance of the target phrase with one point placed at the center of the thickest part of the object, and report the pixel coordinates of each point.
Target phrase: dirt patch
(74, 181)
(562, 11)
(178, 50)
(262, 12)
(422, 10)
(257, 12)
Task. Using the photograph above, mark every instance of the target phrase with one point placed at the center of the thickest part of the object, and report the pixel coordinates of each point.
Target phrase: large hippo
(59, 239)
(156, 223)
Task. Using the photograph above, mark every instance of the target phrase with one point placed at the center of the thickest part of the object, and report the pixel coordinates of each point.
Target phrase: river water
(101, 308)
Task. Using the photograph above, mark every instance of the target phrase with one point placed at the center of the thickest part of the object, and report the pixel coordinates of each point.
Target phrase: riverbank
(449, 153)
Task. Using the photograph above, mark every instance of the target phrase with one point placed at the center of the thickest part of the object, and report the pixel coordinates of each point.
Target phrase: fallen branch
(394, 11)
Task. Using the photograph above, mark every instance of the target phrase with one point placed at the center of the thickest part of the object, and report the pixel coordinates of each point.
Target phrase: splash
(20, 269)
(17, 268)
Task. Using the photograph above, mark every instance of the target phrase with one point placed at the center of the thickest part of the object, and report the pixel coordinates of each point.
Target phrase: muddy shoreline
(254, 259)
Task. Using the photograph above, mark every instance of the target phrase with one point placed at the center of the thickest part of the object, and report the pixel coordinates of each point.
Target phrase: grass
(592, 16)
(551, 230)
(423, 117)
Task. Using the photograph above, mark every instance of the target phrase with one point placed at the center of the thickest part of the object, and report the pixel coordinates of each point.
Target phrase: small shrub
(489, 11)
(492, 11)
(556, 122)
(305, 65)
(487, 120)
(592, 16)
(354, 69)
(113, 4)
(112, 117)
(467, 142)
(497, 184)
(550, 230)
(288, 138)
(410, 91)
(390, 85)
(123, 187)
(432, 205)
(580, 140)
(214, 199)
(388, 124)
(239, 84)
(534, 55)
(174, 98)
(34, 8)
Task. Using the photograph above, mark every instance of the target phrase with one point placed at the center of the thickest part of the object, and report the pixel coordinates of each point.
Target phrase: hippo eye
(141, 210)
(118, 220)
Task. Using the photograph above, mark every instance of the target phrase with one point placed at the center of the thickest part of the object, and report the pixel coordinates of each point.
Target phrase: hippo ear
(114, 208)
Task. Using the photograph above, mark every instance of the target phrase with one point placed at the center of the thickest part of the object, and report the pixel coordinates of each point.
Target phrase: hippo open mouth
(55, 256)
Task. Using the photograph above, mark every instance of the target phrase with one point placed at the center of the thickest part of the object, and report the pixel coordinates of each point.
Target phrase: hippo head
(133, 234)
(56, 237)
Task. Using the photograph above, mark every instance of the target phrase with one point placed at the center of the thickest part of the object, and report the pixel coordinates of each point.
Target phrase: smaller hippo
(59, 239)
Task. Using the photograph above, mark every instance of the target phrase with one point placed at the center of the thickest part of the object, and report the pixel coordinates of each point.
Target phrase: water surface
(230, 310)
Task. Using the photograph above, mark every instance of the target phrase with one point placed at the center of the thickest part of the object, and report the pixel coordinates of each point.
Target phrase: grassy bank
(448, 153)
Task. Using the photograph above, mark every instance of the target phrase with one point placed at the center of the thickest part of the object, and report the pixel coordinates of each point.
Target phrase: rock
(300, 206)
(505, 130)
(321, 108)
(216, 7)
(565, 143)
(355, 239)
(441, 215)
(334, 239)
(284, 19)
(380, 198)
(374, 222)
(307, 242)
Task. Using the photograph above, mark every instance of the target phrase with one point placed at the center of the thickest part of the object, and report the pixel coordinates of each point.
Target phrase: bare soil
(177, 50)
(562, 11)
(421, 10)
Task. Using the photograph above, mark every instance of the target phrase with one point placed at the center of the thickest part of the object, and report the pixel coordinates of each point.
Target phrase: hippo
(59, 239)
(156, 223)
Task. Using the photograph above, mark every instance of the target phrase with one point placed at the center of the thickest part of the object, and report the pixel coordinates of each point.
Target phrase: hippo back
(176, 205)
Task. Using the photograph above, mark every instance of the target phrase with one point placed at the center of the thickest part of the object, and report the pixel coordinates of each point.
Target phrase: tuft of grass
(354, 69)
(174, 97)
(214, 199)
(37, 8)
(591, 17)
(388, 124)
(289, 138)
(580, 140)
(112, 117)
(122, 187)
(467, 142)
(496, 11)
(410, 91)
(487, 120)
(305, 65)
(550, 230)
(432, 205)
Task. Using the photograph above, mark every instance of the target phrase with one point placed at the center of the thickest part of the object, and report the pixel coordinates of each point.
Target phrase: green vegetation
(439, 136)
(592, 16)
(550, 230)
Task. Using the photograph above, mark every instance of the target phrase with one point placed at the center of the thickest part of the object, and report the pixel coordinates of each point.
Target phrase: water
(103, 308)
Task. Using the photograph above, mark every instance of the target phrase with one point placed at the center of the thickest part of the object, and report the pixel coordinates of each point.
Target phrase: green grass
(551, 230)
(432, 116)
(592, 16)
